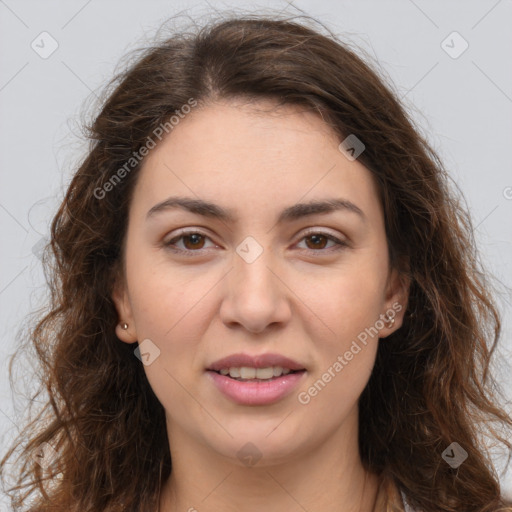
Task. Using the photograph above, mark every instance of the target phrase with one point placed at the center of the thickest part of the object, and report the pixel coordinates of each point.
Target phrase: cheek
(349, 305)
(164, 296)
(345, 301)
(167, 307)
(159, 308)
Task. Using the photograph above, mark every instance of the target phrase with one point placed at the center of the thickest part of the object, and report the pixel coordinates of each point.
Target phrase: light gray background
(463, 104)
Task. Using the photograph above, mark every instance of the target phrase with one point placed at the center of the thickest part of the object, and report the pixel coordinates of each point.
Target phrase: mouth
(251, 374)
(256, 380)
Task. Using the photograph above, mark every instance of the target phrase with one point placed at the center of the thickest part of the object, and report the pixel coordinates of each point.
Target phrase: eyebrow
(291, 213)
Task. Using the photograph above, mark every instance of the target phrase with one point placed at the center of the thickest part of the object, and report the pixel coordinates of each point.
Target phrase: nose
(256, 295)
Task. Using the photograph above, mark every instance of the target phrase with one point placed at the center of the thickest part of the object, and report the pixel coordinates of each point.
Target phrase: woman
(265, 297)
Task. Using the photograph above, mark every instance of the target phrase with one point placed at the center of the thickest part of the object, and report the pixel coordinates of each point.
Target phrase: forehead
(250, 157)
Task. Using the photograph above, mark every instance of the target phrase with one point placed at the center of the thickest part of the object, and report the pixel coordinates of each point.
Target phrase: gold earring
(124, 326)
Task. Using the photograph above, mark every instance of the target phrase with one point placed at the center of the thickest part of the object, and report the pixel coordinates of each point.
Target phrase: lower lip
(256, 392)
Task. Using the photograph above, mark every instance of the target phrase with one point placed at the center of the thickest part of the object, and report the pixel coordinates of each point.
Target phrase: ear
(123, 306)
(397, 296)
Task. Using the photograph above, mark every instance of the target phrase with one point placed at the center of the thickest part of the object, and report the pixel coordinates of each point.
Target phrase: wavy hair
(431, 384)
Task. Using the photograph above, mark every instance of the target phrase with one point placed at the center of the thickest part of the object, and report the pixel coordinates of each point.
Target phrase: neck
(320, 479)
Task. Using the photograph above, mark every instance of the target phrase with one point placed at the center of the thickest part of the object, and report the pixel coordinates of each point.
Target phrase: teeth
(234, 372)
(265, 373)
(277, 370)
(248, 373)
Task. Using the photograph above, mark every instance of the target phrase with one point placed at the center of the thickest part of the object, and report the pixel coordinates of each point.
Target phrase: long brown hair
(431, 384)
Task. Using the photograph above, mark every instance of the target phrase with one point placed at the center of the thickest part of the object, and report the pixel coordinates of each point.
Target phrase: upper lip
(256, 361)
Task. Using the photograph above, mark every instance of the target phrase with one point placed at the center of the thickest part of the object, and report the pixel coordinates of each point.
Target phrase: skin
(295, 299)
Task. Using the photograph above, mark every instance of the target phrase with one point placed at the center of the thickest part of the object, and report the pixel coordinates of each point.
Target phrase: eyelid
(340, 241)
(324, 231)
(182, 233)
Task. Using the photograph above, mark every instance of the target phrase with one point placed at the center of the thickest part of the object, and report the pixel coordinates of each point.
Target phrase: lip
(256, 361)
(256, 392)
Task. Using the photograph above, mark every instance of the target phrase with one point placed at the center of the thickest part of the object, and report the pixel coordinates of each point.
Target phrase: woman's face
(264, 280)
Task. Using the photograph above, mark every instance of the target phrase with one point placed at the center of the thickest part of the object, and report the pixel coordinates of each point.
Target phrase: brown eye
(317, 242)
(192, 241)
(196, 241)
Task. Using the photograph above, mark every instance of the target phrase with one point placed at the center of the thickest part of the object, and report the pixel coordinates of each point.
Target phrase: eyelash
(188, 252)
